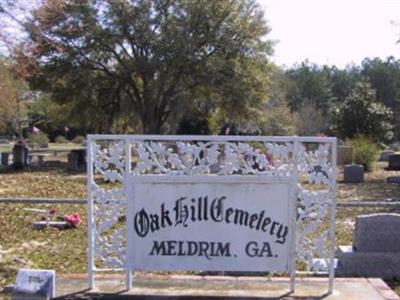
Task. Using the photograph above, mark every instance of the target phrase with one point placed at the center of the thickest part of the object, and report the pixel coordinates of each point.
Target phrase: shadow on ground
(85, 294)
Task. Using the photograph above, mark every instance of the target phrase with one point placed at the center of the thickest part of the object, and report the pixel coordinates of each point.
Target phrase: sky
(333, 32)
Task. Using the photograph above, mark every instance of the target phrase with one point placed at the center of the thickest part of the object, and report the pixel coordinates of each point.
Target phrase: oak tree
(147, 60)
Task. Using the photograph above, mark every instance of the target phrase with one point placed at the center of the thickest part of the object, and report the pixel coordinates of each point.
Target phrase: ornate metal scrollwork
(311, 162)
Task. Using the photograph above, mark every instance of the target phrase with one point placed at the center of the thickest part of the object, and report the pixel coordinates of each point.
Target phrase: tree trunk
(151, 125)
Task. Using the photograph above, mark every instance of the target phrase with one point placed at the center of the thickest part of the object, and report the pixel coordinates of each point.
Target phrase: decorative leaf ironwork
(310, 162)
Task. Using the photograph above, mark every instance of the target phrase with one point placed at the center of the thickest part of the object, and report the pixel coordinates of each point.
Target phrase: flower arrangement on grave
(73, 220)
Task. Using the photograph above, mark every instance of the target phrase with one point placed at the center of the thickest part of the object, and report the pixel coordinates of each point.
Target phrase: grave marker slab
(73, 162)
(394, 162)
(376, 248)
(377, 233)
(385, 155)
(353, 173)
(393, 179)
(4, 159)
(34, 284)
(20, 155)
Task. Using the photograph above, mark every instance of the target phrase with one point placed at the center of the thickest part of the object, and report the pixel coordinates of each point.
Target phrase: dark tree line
(356, 100)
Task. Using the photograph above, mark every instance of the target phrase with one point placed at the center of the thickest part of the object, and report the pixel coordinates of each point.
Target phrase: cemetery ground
(65, 250)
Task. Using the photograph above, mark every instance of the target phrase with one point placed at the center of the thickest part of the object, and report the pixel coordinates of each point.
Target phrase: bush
(362, 114)
(195, 125)
(38, 139)
(278, 120)
(78, 139)
(365, 151)
(61, 140)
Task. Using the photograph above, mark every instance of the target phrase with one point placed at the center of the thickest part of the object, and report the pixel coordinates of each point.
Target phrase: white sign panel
(210, 223)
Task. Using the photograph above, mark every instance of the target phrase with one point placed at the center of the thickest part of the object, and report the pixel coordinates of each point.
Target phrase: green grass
(5, 148)
(64, 146)
(52, 146)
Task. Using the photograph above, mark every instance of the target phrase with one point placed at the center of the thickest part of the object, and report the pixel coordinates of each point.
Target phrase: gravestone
(34, 284)
(73, 162)
(4, 159)
(20, 155)
(394, 162)
(377, 233)
(376, 248)
(81, 154)
(353, 173)
(344, 155)
(393, 179)
(385, 155)
(76, 159)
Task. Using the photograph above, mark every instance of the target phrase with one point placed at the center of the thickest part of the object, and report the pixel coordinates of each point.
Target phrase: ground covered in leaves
(374, 188)
(65, 250)
(23, 246)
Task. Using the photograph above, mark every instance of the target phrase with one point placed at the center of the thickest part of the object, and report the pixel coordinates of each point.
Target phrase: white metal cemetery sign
(211, 203)
(215, 224)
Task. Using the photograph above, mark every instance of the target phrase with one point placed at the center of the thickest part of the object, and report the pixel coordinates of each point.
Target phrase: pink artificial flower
(73, 219)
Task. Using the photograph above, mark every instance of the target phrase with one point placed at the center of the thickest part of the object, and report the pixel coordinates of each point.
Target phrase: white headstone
(35, 284)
